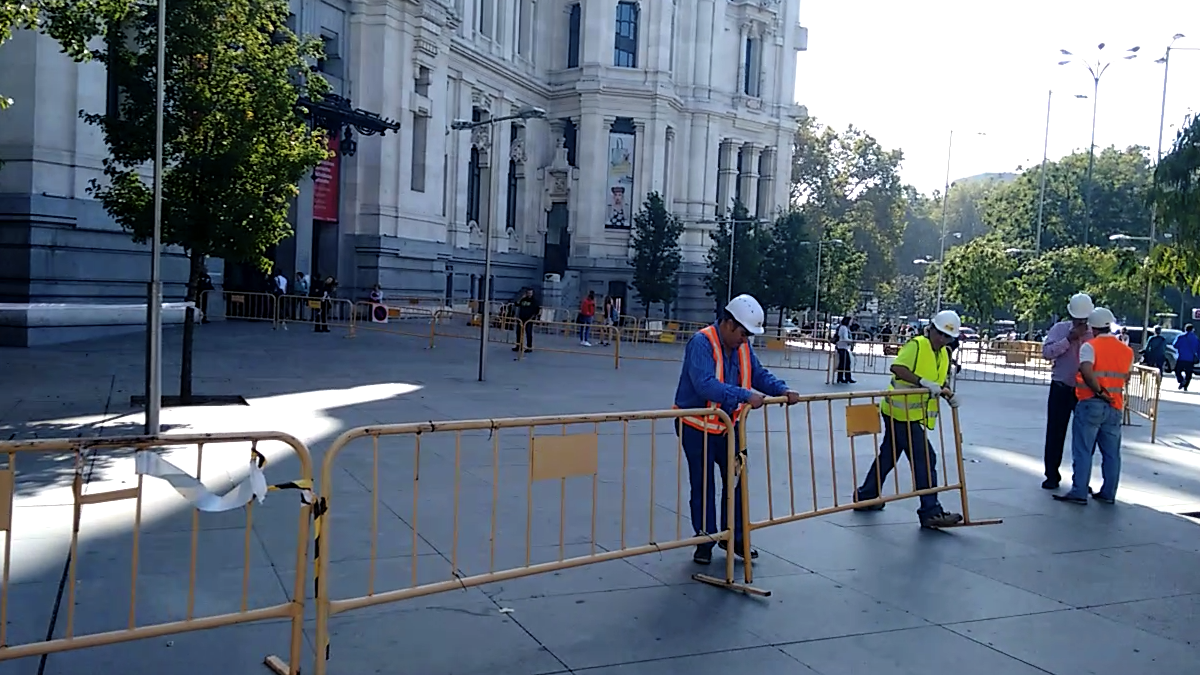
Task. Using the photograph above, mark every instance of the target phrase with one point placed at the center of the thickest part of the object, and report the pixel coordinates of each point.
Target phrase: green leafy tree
(1115, 278)
(907, 295)
(234, 145)
(1122, 181)
(978, 276)
(656, 259)
(847, 181)
(842, 272)
(1177, 202)
(748, 247)
(73, 23)
(788, 265)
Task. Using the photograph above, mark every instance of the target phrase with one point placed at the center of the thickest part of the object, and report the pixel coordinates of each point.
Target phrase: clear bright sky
(909, 72)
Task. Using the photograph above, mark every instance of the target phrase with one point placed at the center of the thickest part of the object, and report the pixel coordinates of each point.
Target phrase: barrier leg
(433, 327)
(734, 468)
(962, 480)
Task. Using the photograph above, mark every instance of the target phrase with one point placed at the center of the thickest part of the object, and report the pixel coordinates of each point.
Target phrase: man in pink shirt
(1061, 348)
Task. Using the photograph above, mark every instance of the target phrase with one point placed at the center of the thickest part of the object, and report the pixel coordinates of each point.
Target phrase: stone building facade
(693, 99)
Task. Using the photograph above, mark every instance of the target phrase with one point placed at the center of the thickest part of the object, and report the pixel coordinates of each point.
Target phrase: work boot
(940, 520)
(703, 554)
(737, 549)
(864, 509)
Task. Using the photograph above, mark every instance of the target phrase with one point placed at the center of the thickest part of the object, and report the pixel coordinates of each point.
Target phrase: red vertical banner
(326, 177)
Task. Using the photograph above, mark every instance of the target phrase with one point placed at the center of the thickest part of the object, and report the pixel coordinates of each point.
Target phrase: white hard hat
(947, 321)
(746, 311)
(1081, 306)
(1101, 317)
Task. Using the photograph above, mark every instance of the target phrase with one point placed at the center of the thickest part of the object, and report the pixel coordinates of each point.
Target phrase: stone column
(704, 45)
(643, 166)
(726, 174)
(592, 158)
(668, 188)
(766, 185)
(749, 177)
(738, 87)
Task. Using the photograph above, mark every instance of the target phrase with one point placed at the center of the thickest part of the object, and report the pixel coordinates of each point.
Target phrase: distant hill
(1006, 177)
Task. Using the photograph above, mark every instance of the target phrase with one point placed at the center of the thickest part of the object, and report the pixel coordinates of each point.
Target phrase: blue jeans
(896, 437)
(704, 502)
(1097, 424)
(585, 328)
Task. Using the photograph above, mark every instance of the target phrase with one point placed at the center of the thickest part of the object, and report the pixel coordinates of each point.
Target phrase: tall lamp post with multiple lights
(1097, 70)
(524, 113)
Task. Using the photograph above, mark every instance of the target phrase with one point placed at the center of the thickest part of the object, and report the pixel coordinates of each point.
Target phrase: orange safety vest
(712, 423)
(1111, 368)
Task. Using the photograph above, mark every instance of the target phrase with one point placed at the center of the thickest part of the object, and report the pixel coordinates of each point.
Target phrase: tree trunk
(196, 270)
(646, 310)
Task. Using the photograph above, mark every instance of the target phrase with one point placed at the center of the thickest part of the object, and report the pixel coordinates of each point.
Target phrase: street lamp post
(154, 289)
(945, 204)
(817, 295)
(1149, 253)
(1096, 70)
(1162, 118)
(524, 113)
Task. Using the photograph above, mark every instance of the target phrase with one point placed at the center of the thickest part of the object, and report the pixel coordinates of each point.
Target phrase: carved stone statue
(481, 136)
(516, 150)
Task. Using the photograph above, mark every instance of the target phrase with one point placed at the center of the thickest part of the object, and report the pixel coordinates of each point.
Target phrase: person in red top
(587, 312)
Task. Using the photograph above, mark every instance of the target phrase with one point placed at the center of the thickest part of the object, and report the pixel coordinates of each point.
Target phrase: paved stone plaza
(1055, 588)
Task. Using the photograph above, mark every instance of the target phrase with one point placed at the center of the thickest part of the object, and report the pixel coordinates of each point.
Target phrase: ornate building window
(625, 44)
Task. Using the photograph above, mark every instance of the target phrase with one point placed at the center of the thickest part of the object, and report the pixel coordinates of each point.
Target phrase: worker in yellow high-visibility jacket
(921, 366)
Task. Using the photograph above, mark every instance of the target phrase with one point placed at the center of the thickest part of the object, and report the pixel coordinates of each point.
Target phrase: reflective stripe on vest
(1111, 367)
(921, 406)
(712, 423)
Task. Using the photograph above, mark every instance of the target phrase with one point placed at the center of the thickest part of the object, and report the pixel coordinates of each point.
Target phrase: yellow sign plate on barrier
(557, 457)
(314, 304)
(237, 299)
(863, 420)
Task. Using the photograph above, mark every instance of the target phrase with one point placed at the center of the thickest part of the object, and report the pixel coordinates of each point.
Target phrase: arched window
(625, 45)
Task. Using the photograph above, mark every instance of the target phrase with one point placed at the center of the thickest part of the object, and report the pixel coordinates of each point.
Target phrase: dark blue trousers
(704, 502)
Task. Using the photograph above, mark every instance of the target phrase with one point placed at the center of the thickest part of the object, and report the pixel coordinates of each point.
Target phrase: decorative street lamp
(524, 113)
(1097, 70)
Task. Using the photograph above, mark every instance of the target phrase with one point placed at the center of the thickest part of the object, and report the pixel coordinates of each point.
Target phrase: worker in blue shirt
(1187, 347)
(721, 370)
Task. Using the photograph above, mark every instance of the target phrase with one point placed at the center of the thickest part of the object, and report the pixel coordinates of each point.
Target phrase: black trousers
(1059, 406)
(528, 334)
(1183, 372)
(843, 367)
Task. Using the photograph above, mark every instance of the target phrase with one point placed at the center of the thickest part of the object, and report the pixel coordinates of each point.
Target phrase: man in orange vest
(720, 370)
(1104, 365)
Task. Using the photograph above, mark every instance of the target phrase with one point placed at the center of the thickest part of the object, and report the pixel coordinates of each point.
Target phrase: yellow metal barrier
(238, 305)
(20, 452)
(467, 325)
(398, 319)
(571, 338)
(486, 515)
(1142, 393)
(322, 315)
(812, 480)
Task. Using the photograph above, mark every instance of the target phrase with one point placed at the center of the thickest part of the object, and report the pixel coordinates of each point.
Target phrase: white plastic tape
(253, 487)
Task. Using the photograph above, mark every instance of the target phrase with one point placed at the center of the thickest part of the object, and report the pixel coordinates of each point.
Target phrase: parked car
(1172, 354)
(968, 335)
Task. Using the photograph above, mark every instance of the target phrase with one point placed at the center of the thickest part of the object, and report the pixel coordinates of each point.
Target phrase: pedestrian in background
(528, 311)
(607, 321)
(587, 313)
(1061, 348)
(1104, 365)
(1187, 346)
(1154, 354)
(300, 288)
(845, 342)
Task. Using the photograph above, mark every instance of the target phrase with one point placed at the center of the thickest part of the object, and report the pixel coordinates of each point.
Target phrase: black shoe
(943, 519)
(1098, 497)
(1070, 500)
(529, 351)
(851, 381)
(1049, 484)
(703, 554)
(516, 349)
(863, 509)
(737, 549)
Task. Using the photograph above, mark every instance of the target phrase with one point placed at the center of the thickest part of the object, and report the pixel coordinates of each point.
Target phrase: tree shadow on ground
(56, 468)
